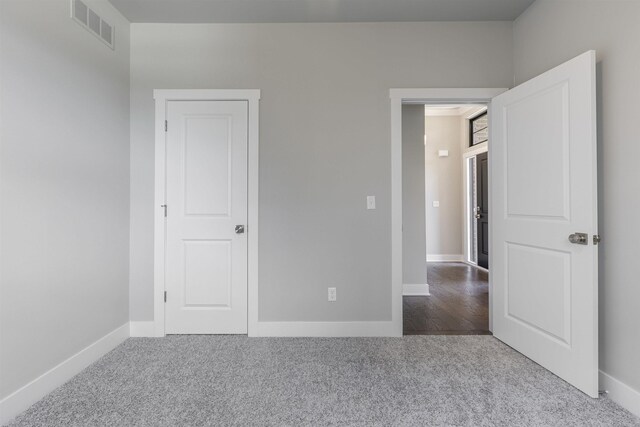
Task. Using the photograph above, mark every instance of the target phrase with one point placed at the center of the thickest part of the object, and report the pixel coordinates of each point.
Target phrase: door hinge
(166, 125)
(165, 296)
(596, 239)
(165, 210)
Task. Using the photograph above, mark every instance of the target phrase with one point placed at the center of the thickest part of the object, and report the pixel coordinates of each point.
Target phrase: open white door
(544, 189)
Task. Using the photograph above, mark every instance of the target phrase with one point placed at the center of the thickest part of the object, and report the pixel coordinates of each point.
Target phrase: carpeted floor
(230, 380)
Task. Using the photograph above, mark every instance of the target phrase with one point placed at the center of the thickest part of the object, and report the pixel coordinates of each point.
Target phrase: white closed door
(206, 249)
(543, 172)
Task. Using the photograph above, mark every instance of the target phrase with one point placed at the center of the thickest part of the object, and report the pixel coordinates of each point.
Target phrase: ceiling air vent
(92, 22)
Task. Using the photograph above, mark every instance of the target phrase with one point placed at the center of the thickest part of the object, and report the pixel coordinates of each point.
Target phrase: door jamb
(421, 96)
(162, 97)
(466, 206)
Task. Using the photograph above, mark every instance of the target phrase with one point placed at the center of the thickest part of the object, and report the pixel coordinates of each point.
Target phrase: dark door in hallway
(482, 211)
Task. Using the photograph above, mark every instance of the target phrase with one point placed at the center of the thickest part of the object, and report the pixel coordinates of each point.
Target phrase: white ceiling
(466, 110)
(201, 11)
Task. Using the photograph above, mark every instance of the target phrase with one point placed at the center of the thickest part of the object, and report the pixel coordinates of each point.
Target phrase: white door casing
(206, 197)
(544, 188)
(422, 96)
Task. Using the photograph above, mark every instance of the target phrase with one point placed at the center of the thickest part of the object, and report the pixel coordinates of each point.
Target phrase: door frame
(420, 96)
(473, 152)
(162, 97)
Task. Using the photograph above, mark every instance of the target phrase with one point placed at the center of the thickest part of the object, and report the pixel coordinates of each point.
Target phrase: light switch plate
(443, 153)
(436, 204)
(371, 202)
(331, 294)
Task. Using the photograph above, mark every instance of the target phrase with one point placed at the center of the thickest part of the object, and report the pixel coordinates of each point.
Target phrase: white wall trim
(162, 96)
(466, 206)
(142, 329)
(21, 399)
(445, 258)
(621, 393)
(473, 112)
(418, 96)
(471, 264)
(409, 289)
(474, 151)
(326, 329)
(396, 213)
(445, 95)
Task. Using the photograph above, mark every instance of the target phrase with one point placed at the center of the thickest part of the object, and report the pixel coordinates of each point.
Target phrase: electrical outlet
(332, 294)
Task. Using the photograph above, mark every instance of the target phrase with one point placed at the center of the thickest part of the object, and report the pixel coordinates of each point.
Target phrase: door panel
(482, 210)
(543, 165)
(207, 154)
(206, 277)
(207, 273)
(533, 287)
(538, 135)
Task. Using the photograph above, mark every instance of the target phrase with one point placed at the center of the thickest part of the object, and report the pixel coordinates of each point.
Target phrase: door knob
(579, 238)
(239, 229)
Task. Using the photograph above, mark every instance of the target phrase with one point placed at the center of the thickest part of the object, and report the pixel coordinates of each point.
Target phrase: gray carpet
(410, 381)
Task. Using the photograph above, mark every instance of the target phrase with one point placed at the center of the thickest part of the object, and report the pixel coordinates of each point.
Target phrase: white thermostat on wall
(443, 153)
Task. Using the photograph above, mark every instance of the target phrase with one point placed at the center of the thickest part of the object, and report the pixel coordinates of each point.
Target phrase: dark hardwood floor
(458, 304)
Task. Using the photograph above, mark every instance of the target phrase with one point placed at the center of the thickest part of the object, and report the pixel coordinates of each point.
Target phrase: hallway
(458, 304)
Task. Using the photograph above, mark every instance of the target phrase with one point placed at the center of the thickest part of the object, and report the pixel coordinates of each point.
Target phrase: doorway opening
(451, 158)
(543, 189)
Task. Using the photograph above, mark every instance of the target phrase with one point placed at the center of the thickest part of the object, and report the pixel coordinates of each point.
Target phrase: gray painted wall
(444, 184)
(324, 143)
(64, 186)
(414, 265)
(549, 33)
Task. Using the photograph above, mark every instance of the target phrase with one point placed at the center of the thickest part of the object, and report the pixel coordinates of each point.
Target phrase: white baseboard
(142, 329)
(328, 329)
(415, 290)
(24, 397)
(476, 266)
(621, 393)
(444, 258)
